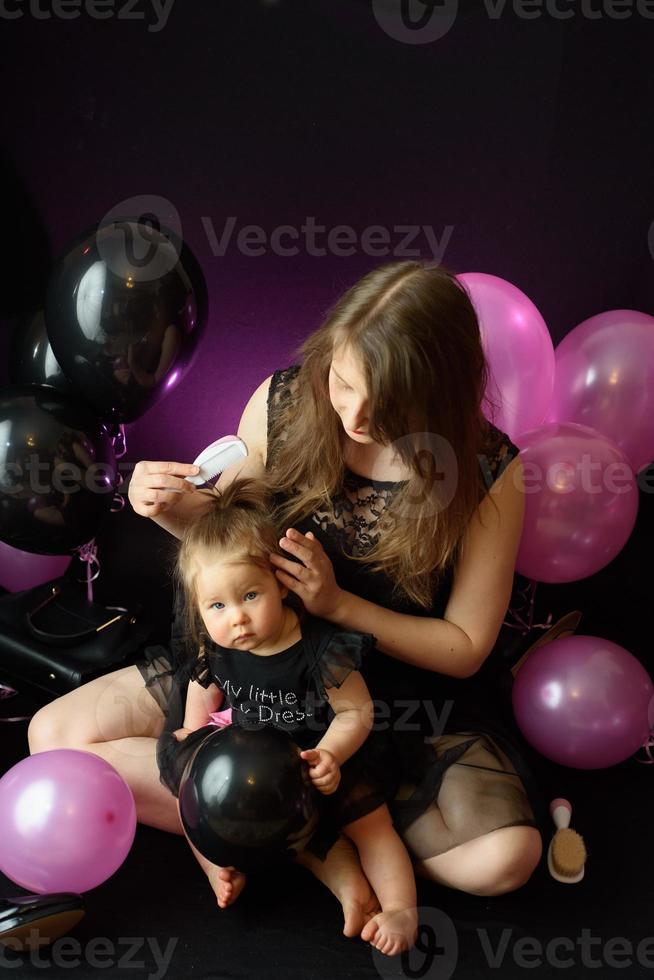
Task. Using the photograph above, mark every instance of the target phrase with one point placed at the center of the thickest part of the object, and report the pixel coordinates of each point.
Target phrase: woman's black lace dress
(451, 770)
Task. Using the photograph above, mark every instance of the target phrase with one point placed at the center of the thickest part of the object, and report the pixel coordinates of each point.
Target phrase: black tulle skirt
(441, 790)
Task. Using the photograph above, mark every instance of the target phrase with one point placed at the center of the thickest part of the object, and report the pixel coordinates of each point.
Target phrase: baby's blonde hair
(239, 526)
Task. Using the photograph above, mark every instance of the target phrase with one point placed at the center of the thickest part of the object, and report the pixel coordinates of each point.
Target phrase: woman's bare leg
(493, 864)
(465, 839)
(341, 873)
(116, 718)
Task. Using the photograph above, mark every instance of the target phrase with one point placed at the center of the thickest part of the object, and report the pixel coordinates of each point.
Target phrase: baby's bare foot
(392, 932)
(227, 884)
(342, 874)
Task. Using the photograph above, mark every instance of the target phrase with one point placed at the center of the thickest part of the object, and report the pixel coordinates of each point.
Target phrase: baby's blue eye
(214, 605)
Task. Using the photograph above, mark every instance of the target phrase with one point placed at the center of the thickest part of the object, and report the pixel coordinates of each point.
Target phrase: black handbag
(54, 639)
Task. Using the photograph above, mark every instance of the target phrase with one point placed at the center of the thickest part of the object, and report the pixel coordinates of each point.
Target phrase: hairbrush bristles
(568, 852)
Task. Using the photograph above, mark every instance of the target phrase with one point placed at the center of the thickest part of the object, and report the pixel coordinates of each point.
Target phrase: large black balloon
(31, 358)
(125, 309)
(246, 799)
(57, 471)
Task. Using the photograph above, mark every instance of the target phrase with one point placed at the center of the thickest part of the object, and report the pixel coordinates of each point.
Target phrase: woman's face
(347, 393)
(239, 599)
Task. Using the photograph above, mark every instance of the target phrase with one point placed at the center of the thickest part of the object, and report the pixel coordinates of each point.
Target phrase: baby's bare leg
(388, 868)
(227, 883)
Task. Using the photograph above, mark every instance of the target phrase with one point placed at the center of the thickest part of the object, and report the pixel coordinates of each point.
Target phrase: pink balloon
(581, 502)
(518, 349)
(583, 702)
(604, 377)
(67, 821)
(22, 570)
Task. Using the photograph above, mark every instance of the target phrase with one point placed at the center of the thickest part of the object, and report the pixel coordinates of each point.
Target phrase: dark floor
(289, 926)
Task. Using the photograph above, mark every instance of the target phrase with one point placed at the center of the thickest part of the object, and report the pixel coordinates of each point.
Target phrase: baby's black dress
(287, 690)
(450, 769)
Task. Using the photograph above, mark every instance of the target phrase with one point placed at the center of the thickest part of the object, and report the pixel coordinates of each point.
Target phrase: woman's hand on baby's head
(158, 486)
(324, 770)
(312, 577)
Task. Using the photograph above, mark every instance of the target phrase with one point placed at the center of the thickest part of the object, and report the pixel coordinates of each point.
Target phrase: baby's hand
(324, 770)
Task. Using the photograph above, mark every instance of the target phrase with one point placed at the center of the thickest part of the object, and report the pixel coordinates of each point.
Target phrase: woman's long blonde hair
(414, 332)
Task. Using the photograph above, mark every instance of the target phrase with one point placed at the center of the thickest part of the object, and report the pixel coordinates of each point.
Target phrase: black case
(52, 638)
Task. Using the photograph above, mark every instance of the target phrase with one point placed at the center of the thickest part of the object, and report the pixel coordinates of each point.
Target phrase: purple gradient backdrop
(275, 112)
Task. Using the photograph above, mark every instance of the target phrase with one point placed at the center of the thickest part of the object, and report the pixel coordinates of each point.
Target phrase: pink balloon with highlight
(67, 821)
(23, 570)
(519, 352)
(581, 502)
(604, 377)
(583, 702)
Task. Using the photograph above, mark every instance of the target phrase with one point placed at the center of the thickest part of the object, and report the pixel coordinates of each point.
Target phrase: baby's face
(240, 604)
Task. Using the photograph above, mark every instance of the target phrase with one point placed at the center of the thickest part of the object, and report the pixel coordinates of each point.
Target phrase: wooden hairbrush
(566, 855)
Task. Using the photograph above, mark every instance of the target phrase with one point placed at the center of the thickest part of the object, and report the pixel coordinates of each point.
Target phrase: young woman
(403, 511)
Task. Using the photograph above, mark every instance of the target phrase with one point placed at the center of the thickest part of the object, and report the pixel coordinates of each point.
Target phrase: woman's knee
(514, 855)
(110, 707)
(48, 729)
(493, 864)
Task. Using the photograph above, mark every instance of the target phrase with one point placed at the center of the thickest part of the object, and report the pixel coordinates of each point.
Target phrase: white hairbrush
(217, 457)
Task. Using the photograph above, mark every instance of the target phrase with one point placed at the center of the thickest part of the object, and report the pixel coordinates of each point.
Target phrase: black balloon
(125, 309)
(57, 471)
(246, 799)
(31, 358)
